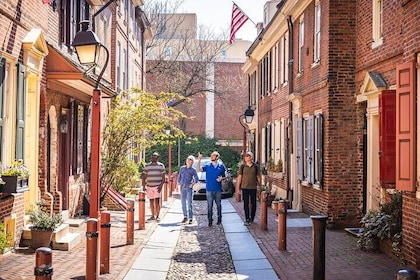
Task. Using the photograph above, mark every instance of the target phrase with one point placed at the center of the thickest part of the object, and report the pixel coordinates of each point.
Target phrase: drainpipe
(289, 149)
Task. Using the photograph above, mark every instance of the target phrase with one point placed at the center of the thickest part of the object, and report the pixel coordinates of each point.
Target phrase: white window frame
(301, 44)
(377, 23)
(284, 58)
(317, 32)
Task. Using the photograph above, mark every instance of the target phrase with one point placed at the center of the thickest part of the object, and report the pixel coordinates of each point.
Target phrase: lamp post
(88, 48)
(168, 132)
(249, 116)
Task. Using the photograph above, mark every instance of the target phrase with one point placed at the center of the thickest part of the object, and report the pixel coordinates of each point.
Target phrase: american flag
(238, 19)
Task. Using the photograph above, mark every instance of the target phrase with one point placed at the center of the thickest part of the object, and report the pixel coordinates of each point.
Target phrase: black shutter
(2, 85)
(299, 155)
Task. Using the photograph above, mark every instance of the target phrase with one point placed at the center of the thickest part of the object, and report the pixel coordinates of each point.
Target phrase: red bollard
(43, 263)
(105, 236)
(142, 210)
(165, 190)
(92, 248)
(170, 185)
(130, 221)
(282, 215)
(264, 210)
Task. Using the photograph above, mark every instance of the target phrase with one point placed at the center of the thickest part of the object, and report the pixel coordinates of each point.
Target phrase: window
(71, 14)
(317, 32)
(377, 23)
(279, 142)
(79, 136)
(124, 70)
(309, 133)
(253, 88)
(284, 58)
(118, 64)
(275, 67)
(301, 43)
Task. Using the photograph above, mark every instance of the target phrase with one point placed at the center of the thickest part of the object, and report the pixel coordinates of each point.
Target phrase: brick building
(335, 85)
(46, 95)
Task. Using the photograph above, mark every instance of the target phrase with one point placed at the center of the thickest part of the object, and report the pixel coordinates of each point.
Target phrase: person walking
(215, 174)
(249, 178)
(186, 179)
(153, 178)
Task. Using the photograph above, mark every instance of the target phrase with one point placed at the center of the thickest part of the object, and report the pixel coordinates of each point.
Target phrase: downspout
(289, 149)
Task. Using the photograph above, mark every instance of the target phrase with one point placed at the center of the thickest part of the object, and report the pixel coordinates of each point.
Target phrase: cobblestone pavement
(202, 252)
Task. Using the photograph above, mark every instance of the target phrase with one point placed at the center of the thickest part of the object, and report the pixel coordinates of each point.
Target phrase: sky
(216, 15)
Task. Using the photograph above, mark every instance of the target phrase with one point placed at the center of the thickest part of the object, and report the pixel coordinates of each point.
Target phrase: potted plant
(14, 178)
(43, 225)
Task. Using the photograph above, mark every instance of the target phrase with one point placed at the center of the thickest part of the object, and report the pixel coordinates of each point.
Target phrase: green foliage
(4, 238)
(126, 176)
(385, 223)
(42, 220)
(193, 146)
(137, 120)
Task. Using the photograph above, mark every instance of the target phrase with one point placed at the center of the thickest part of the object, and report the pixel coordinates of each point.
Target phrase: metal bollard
(318, 233)
(264, 210)
(405, 274)
(130, 221)
(142, 210)
(43, 263)
(92, 247)
(105, 236)
(282, 215)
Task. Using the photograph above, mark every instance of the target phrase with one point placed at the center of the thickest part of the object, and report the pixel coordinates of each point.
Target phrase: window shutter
(405, 127)
(311, 149)
(387, 137)
(320, 144)
(2, 85)
(299, 156)
(20, 111)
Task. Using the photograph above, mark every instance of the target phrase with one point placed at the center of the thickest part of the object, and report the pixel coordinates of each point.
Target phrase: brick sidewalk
(343, 260)
(72, 264)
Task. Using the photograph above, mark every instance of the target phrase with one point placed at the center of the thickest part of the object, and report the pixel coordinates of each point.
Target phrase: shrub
(4, 238)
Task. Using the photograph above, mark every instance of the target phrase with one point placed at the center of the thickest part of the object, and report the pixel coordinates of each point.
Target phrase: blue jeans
(216, 197)
(186, 195)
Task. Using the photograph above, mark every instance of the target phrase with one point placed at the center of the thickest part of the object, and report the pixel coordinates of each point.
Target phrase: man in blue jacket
(215, 174)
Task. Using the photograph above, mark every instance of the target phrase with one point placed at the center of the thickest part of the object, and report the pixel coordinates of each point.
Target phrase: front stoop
(62, 238)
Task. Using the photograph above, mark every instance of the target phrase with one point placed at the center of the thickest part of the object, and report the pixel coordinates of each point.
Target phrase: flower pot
(14, 184)
(40, 238)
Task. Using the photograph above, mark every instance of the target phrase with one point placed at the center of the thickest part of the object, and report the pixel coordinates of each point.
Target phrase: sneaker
(247, 223)
(151, 218)
(184, 220)
(158, 219)
(210, 224)
(219, 222)
(190, 221)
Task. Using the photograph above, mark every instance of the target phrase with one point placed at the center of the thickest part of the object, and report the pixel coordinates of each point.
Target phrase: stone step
(68, 242)
(62, 238)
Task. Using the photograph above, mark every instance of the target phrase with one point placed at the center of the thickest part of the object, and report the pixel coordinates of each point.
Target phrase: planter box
(14, 184)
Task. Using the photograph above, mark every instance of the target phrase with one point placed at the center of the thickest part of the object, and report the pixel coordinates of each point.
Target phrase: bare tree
(181, 57)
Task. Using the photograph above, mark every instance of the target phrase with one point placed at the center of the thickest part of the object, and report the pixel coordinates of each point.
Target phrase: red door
(387, 104)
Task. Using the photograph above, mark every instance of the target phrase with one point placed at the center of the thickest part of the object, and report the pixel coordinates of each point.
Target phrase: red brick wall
(401, 44)
(230, 102)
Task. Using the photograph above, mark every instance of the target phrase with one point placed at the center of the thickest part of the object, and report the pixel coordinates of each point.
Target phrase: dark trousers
(249, 195)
